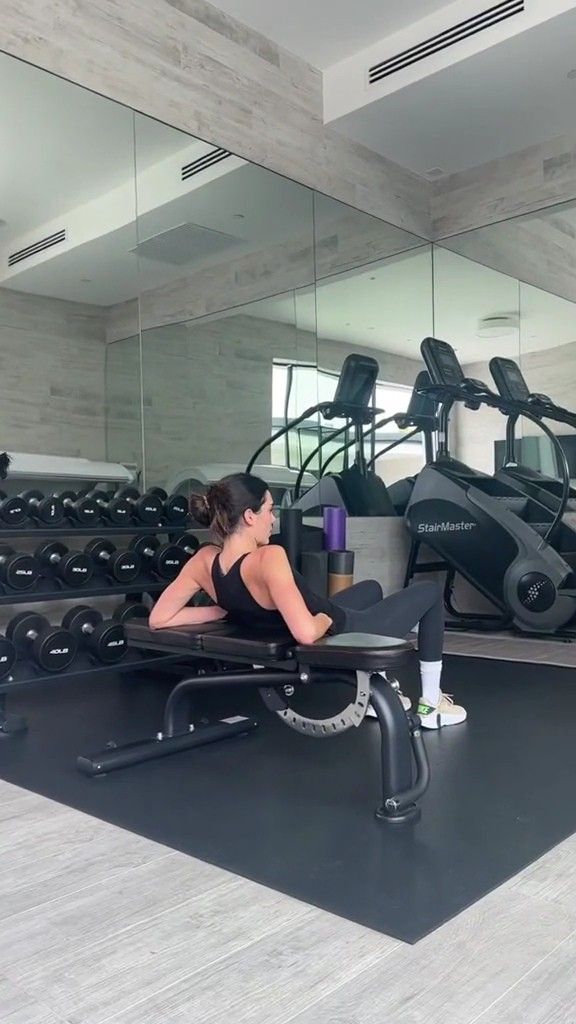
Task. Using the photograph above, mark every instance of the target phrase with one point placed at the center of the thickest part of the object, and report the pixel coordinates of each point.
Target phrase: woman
(252, 584)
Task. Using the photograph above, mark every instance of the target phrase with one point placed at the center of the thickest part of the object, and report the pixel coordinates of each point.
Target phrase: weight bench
(277, 665)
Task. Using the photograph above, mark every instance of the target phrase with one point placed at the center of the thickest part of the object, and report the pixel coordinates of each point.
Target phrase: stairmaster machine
(511, 548)
(547, 490)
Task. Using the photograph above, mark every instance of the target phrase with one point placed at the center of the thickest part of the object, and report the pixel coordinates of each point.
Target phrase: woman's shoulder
(204, 556)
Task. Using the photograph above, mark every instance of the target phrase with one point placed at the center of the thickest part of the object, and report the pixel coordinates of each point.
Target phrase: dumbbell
(175, 506)
(166, 560)
(130, 610)
(17, 570)
(122, 566)
(79, 507)
(74, 567)
(8, 656)
(13, 510)
(47, 510)
(104, 639)
(51, 647)
(147, 508)
(189, 543)
(117, 510)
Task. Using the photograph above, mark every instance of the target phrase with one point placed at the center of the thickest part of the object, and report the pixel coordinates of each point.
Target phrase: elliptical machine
(548, 490)
(512, 549)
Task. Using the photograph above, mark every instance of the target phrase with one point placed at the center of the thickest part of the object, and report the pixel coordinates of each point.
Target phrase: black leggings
(368, 611)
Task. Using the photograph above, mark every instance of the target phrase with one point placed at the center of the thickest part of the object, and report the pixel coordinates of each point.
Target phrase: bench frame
(276, 666)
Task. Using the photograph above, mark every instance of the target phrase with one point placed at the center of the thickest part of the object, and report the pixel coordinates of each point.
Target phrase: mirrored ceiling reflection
(509, 290)
(538, 252)
(67, 229)
(383, 309)
(214, 231)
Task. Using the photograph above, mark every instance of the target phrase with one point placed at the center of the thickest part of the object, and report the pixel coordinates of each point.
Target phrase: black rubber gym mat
(298, 814)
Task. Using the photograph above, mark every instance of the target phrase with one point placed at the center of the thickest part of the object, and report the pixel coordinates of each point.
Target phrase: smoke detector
(497, 326)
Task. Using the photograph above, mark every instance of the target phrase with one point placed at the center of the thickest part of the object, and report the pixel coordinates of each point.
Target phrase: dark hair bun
(200, 509)
(223, 505)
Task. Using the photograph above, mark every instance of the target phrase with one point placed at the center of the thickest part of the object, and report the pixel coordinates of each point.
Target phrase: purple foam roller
(334, 528)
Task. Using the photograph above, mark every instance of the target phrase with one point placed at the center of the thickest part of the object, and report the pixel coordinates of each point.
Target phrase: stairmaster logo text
(446, 527)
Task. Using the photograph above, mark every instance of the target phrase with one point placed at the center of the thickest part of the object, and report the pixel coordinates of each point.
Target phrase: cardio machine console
(442, 362)
(509, 380)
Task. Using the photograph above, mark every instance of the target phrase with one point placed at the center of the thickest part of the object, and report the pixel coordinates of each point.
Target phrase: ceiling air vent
(204, 162)
(450, 36)
(33, 250)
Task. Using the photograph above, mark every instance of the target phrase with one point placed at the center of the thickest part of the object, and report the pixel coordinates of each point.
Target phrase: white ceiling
(504, 99)
(62, 146)
(326, 31)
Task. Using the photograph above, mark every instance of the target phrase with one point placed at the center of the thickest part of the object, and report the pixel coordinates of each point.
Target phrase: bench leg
(402, 750)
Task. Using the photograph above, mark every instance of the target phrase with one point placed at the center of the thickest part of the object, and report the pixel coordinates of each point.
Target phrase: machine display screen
(509, 380)
(442, 362)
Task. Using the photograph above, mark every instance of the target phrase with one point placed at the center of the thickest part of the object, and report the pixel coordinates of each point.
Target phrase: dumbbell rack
(25, 673)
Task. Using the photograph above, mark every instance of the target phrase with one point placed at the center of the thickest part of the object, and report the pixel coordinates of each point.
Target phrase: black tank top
(233, 595)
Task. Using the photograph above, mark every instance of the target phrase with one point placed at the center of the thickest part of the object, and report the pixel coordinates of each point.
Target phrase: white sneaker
(446, 712)
(404, 700)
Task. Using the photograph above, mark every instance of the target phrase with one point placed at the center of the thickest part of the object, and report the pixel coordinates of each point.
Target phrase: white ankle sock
(430, 672)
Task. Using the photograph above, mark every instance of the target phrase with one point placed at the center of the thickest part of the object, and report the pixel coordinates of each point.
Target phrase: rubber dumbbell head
(13, 510)
(83, 509)
(74, 567)
(19, 571)
(166, 560)
(8, 656)
(175, 506)
(52, 647)
(130, 611)
(147, 508)
(189, 543)
(117, 510)
(47, 510)
(122, 566)
(104, 639)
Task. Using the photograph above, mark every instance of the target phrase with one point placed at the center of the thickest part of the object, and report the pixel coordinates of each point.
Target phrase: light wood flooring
(102, 925)
(511, 647)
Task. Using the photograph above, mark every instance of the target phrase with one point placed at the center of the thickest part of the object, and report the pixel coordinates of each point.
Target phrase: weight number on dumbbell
(81, 508)
(47, 510)
(19, 571)
(75, 568)
(121, 566)
(166, 560)
(51, 647)
(105, 640)
(147, 508)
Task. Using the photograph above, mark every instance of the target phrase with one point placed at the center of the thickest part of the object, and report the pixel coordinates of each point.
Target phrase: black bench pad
(356, 651)
(187, 637)
(351, 651)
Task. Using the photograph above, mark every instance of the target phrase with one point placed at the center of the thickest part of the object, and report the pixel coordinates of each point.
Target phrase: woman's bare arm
(279, 578)
(170, 609)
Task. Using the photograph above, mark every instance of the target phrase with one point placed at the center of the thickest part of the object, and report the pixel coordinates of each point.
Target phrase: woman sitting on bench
(253, 584)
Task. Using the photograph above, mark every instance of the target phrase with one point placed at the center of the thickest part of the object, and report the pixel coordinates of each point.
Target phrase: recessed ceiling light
(86, 280)
(571, 74)
(498, 325)
(371, 328)
(239, 216)
(347, 324)
(372, 278)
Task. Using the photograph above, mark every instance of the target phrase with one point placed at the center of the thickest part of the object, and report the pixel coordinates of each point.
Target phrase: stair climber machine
(547, 490)
(419, 418)
(512, 549)
(355, 489)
